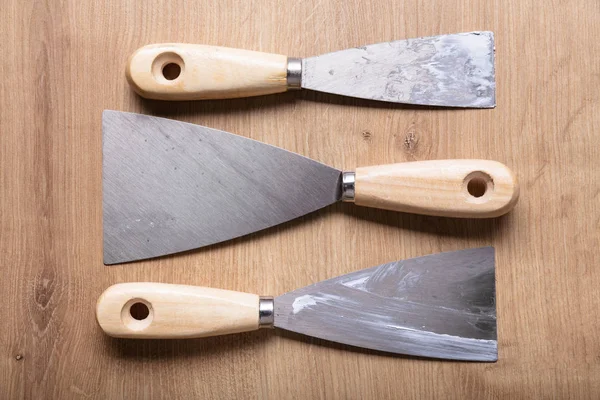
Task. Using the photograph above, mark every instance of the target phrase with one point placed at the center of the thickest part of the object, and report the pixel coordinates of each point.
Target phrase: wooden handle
(451, 188)
(178, 71)
(165, 311)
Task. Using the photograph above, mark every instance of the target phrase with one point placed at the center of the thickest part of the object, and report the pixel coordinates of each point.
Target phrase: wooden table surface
(63, 63)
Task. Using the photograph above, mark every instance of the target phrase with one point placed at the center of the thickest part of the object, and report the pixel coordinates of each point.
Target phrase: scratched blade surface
(170, 186)
(448, 70)
(440, 306)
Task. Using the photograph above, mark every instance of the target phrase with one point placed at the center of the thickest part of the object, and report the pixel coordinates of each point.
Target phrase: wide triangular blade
(440, 306)
(454, 70)
(170, 186)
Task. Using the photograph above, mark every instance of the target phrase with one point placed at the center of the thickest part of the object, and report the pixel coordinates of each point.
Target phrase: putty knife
(440, 306)
(449, 70)
(171, 186)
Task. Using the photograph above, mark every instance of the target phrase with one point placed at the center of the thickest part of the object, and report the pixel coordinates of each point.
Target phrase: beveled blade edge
(454, 70)
(171, 186)
(439, 306)
(430, 345)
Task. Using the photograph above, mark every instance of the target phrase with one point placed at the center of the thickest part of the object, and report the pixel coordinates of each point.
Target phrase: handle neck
(266, 308)
(348, 190)
(294, 73)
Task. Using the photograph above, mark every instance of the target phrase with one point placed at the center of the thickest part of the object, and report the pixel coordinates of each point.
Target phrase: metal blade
(170, 186)
(448, 70)
(440, 306)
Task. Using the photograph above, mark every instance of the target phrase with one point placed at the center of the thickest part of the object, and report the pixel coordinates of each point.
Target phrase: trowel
(171, 186)
(455, 70)
(440, 306)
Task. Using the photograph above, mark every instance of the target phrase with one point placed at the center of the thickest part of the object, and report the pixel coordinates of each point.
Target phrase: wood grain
(63, 62)
(204, 72)
(449, 188)
(150, 310)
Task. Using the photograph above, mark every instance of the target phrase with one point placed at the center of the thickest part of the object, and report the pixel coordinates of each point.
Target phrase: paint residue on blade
(302, 302)
(454, 70)
(440, 306)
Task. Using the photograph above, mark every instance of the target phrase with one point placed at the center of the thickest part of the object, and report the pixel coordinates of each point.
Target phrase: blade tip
(490, 250)
(107, 260)
(484, 102)
(109, 113)
(489, 35)
(487, 359)
(493, 356)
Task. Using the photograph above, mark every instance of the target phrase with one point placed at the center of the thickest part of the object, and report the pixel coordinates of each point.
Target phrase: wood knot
(367, 135)
(411, 141)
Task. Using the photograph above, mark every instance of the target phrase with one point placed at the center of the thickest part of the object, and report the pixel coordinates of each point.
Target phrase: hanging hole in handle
(137, 314)
(139, 311)
(167, 67)
(477, 185)
(171, 71)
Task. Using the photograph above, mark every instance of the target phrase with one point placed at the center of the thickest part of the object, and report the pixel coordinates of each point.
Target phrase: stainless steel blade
(440, 306)
(448, 70)
(170, 186)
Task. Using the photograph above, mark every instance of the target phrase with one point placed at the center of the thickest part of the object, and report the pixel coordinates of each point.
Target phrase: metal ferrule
(266, 309)
(348, 180)
(294, 73)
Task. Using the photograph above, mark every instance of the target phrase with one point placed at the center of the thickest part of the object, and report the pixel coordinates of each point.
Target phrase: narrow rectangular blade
(448, 70)
(170, 186)
(440, 306)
